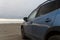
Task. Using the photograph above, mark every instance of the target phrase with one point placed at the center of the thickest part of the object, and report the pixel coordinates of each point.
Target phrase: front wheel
(54, 37)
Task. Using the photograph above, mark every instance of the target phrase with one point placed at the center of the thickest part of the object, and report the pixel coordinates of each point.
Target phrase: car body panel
(38, 27)
(57, 19)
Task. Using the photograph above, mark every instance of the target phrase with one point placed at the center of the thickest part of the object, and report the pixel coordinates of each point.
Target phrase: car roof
(48, 1)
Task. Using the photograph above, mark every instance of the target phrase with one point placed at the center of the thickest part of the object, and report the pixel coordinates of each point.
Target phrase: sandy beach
(10, 31)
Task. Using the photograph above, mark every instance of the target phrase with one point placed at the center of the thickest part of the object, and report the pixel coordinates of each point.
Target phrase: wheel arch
(21, 26)
(52, 31)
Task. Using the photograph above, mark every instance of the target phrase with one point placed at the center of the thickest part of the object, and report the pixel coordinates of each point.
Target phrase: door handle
(48, 20)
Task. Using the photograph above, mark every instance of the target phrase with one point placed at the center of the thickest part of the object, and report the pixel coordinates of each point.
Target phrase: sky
(17, 8)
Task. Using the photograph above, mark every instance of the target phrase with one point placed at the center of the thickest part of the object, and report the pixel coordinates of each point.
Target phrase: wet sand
(10, 31)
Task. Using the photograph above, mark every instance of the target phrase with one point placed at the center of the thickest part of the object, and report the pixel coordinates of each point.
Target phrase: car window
(32, 15)
(46, 8)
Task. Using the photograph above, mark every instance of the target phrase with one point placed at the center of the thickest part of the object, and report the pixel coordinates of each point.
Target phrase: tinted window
(46, 8)
(33, 14)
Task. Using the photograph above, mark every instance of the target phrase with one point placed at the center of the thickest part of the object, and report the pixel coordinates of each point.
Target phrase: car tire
(54, 37)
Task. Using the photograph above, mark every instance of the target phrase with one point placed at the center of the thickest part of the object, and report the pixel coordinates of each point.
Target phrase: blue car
(43, 23)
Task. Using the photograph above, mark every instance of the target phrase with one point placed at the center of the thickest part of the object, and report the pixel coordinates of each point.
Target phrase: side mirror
(25, 19)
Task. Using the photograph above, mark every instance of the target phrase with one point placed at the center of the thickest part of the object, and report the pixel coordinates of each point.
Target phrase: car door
(27, 26)
(44, 19)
